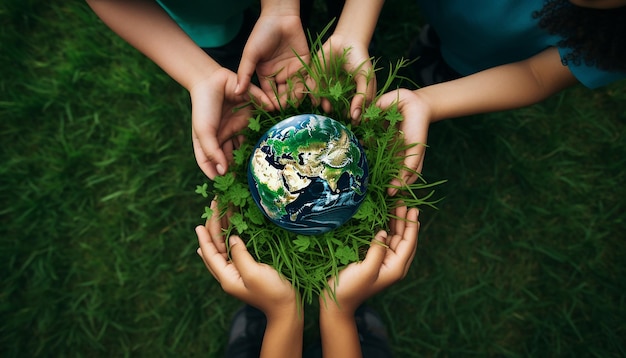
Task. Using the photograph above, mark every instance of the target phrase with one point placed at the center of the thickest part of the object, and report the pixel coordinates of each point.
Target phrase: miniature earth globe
(308, 174)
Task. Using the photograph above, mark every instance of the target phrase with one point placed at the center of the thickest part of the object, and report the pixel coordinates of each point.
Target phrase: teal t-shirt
(210, 23)
(480, 34)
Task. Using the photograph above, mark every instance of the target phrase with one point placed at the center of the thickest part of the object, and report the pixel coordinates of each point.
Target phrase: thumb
(210, 157)
(388, 99)
(240, 256)
(245, 72)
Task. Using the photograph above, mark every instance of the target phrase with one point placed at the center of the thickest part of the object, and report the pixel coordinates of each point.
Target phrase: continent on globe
(308, 174)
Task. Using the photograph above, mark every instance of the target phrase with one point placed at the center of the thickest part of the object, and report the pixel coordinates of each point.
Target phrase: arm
(354, 31)
(285, 321)
(386, 262)
(147, 27)
(499, 88)
(256, 284)
(358, 20)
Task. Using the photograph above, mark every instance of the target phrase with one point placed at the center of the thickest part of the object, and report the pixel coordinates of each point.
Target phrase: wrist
(332, 308)
(358, 20)
(339, 334)
(283, 333)
(286, 311)
(280, 8)
(205, 79)
(424, 105)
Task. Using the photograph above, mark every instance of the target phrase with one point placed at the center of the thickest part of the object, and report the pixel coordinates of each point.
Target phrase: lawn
(525, 255)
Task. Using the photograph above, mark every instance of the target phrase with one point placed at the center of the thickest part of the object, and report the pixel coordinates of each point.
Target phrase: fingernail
(220, 169)
(356, 114)
(237, 88)
(232, 240)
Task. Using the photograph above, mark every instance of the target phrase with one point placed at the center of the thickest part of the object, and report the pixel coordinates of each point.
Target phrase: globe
(308, 174)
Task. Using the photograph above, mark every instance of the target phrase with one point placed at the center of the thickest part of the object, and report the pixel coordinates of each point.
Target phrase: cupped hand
(414, 128)
(241, 276)
(387, 261)
(276, 48)
(217, 113)
(358, 62)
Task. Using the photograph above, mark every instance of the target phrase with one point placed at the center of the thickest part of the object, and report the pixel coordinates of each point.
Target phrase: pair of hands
(387, 261)
(275, 50)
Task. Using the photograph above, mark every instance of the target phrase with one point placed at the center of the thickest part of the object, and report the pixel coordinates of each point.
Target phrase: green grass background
(525, 256)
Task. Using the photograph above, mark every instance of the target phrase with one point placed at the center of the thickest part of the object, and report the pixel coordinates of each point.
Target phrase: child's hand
(414, 127)
(217, 113)
(358, 62)
(276, 48)
(256, 284)
(387, 261)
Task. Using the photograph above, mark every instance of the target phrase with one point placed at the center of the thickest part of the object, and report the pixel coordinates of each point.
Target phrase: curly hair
(595, 37)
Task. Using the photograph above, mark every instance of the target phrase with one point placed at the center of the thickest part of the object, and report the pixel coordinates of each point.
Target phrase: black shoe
(246, 333)
(372, 333)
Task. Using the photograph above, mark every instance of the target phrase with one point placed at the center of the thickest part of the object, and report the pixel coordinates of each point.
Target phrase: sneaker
(246, 333)
(372, 333)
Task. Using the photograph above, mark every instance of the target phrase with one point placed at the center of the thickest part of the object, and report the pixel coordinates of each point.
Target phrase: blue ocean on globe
(308, 174)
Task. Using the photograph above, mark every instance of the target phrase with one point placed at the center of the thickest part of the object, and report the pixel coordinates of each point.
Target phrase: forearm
(280, 7)
(339, 334)
(500, 88)
(148, 28)
(358, 20)
(283, 334)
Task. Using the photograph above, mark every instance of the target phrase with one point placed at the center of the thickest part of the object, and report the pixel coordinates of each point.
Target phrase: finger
(375, 254)
(246, 69)
(311, 87)
(199, 252)
(261, 98)
(232, 127)
(366, 90)
(299, 86)
(398, 225)
(326, 106)
(412, 166)
(356, 107)
(245, 263)
(407, 246)
(238, 141)
(292, 93)
(210, 157)
(413, 161)
(388, 99)
(282, 95)
(412, 257)
(213, 260)
(227, 148)
(214, 226)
